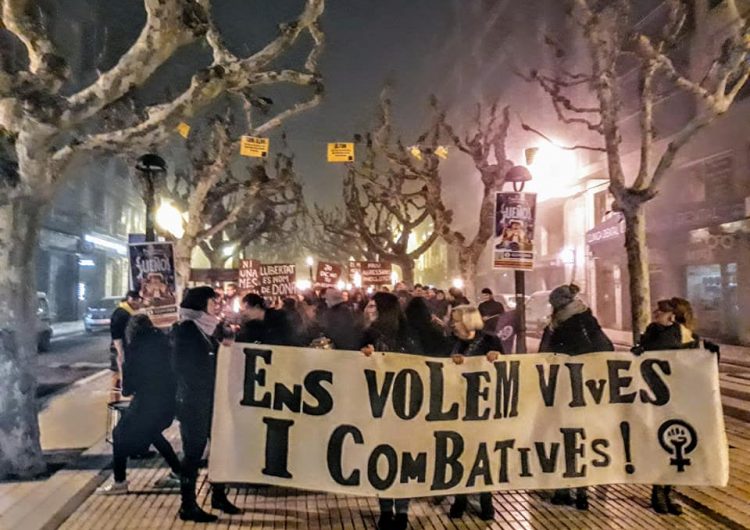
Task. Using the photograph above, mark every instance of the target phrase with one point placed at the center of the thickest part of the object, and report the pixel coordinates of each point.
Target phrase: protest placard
(152, 275)
(372, 273)
(399, 426)
(328, 274)
(248, 277)
(515, 216)
(277, 281)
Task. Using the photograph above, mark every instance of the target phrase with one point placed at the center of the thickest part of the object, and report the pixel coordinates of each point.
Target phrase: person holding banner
(573, 330)
(469, 339)
(389, 332)
(665, 332)
(194, 360)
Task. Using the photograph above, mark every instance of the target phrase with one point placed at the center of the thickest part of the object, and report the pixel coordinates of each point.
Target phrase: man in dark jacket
(263, 325)
(118, 322)
(490, 309)
(339, 323)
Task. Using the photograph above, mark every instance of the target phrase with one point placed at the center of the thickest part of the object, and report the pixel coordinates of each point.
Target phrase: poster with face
(515, 216)
(152, 275)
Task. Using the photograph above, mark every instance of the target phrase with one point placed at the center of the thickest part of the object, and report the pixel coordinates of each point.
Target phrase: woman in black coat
(666, 333)
(469, 340)
(194, 359)
(573, 330)
(148, 377)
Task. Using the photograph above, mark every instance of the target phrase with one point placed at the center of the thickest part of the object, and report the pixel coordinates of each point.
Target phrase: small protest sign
(403, 426)
(341, 152)
(153, 276)
(515, 216)
(254, 147)
(277, 281)
(248, 276)
(328, 275)
(372, 273)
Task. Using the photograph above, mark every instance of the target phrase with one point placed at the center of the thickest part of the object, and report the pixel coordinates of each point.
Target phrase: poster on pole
(372, 273)
(277, 281)
(152, 274)
(248, 277)
(399, 426)
(254, 147)
(515, 217)
(329, 274)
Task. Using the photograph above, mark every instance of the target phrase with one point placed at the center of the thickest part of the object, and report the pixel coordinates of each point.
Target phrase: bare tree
(612, 39)
(45, 129)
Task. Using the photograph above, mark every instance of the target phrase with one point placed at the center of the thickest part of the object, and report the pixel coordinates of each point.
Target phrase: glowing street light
(394, 277)
(458, 283)
(357, 279)
(169, 218)
(304, 285)
(340, 285)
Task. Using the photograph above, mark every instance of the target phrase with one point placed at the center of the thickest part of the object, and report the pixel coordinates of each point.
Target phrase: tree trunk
(407, 271)
(638, 272)
(467, 264)
(217, 259)
(20, 450)
(183, 253)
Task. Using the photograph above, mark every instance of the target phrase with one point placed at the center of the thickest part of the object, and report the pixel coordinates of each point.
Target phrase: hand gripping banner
(395, 425)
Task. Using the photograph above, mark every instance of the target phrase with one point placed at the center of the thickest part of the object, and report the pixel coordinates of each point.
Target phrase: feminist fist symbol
(678, 438)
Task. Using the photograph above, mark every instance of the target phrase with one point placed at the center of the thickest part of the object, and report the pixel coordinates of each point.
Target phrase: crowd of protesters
(172, 374)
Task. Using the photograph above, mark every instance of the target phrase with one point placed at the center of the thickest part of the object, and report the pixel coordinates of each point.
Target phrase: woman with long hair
(389, 332)
(470, 340)
(194, 358)
(148, 377)
(427, 327)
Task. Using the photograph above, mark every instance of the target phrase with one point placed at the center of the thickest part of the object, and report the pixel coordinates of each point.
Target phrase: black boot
(582, 499)
(659, 499)
(458, 507)
(562, 497)
(385, 521)
(487, 512)
(189, 509)
(400, 522)
(219, 500)
(673, 507)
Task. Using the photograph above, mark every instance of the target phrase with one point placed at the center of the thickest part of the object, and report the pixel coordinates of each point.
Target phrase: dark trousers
(195, 428)
(120, 457)
(391, 505)
(141, 426)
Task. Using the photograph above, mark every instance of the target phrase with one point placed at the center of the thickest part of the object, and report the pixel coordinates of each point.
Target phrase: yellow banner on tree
(341, 152)
(254, 147)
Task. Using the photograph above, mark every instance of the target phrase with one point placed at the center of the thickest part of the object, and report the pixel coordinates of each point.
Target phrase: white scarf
(205, 322)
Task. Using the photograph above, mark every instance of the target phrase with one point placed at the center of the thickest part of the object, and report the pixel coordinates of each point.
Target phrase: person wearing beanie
(194, 361)
(573, 330)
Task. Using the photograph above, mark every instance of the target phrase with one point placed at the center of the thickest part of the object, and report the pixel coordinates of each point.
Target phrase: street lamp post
(518, 176)
(310, 262)
(150, 167)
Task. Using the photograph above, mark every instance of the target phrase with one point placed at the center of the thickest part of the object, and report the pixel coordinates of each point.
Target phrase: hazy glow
(303, 285)
(169, 218)
(555, 170)
(340, 285)
(310, 261)
(357, 279)
(394, 277)
(568, 255)
(458, 283)
(228, 250)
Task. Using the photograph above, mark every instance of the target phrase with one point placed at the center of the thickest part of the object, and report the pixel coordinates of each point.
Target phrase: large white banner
(396, 425)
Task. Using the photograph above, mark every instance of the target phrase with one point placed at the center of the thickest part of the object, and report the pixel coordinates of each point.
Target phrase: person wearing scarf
(573, 330)
(194, 356)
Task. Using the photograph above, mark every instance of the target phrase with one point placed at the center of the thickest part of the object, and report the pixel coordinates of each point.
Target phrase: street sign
(183, 129)
(254, 147)
(341, 152)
